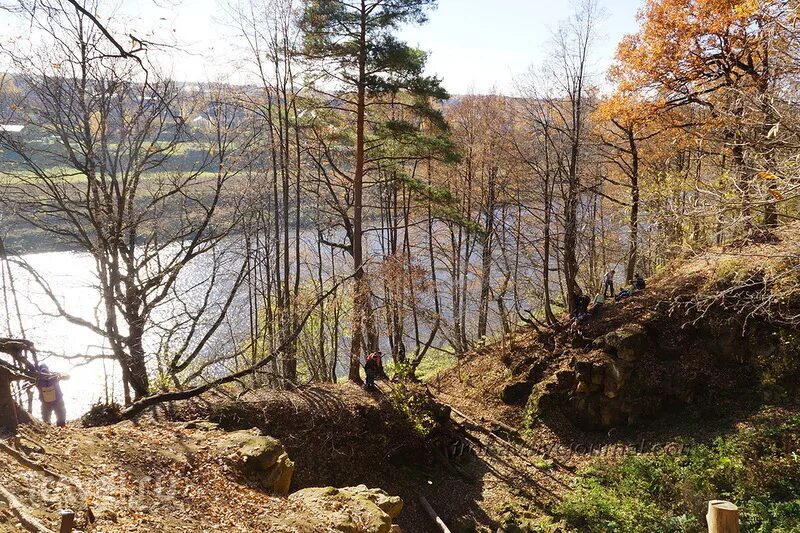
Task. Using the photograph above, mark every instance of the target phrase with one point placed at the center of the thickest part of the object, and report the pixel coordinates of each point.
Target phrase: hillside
(705, 329)
(529, 432)
(706, 352)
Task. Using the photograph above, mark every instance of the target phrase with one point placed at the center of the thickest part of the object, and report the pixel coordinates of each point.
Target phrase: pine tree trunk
(361, 288)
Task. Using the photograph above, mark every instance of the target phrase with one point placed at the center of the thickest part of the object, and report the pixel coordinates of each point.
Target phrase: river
(74, 350)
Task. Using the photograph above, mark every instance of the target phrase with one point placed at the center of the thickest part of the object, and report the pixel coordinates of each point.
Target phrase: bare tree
(563, 85)
(111, 183)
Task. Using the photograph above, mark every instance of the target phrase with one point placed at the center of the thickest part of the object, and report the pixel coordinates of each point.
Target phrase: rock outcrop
(349, 510)
(260, 458)
(642, 369)
(263, 459)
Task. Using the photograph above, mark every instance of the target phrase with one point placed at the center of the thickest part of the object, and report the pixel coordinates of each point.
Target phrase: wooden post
(722, 517)
(67, 521)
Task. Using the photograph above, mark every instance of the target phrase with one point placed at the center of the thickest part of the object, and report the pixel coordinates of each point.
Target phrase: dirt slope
(697, 353)
(134, 478)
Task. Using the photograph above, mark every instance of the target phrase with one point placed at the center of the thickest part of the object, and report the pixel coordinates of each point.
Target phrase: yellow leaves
(677, 37)
(769, 176)
(625, 108)
(95, 121)
(747, 8)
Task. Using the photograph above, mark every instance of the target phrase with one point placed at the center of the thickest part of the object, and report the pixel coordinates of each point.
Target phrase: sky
(475, 46)
(484, 45)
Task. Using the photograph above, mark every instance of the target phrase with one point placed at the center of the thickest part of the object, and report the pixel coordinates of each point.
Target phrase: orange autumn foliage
(686, 50)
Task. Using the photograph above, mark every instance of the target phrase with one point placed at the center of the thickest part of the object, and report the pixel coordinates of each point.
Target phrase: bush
(102, 414)
(758, 468)
(417, 406)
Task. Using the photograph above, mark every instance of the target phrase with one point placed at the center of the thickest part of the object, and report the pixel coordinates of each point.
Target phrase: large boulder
(628, 343)
(348, 510)
(260, 458)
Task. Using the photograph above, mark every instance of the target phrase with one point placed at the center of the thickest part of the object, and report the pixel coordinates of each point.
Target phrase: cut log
(722, 517)
(432, 514)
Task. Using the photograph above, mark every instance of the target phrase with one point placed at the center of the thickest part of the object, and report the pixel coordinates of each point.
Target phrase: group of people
(636, 284)
(581, 302)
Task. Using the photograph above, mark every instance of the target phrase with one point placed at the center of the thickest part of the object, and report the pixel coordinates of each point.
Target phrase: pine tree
(354, 47)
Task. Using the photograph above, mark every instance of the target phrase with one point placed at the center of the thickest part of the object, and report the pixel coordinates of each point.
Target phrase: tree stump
(722, 517)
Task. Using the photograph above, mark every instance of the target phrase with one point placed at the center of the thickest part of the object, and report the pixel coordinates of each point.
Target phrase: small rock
(372, 509)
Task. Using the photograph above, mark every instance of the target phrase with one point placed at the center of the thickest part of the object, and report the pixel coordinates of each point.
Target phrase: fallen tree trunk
(24, 461)
(137, 407)
(433, 516)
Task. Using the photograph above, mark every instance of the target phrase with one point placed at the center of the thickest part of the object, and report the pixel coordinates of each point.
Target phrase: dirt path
(132, 478)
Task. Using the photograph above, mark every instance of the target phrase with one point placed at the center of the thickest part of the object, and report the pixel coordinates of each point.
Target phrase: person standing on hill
(608, 283)
(51, 396)
(371, 368)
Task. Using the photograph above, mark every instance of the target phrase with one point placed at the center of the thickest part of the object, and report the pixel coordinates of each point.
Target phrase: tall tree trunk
(486, 253)
(633, 245)
(361, 287)
(8, 407)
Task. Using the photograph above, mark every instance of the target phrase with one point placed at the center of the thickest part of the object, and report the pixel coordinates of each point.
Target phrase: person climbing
(583, 304)
(639, 283)
(51, 396)
(608, 282)
(580, 303)
(372, 368)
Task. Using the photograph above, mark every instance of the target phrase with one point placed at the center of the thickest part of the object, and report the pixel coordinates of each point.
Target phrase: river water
(74, 350)
(70, 276)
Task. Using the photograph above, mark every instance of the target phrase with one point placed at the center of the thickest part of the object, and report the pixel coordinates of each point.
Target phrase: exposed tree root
(27, 520)
(24, 461)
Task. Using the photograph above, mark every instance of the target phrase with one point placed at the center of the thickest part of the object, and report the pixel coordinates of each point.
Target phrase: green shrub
(416, 405)
(758, 468)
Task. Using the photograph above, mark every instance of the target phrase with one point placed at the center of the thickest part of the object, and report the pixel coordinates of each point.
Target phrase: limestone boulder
(260, 458)
(347, 510)
(629, 342)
